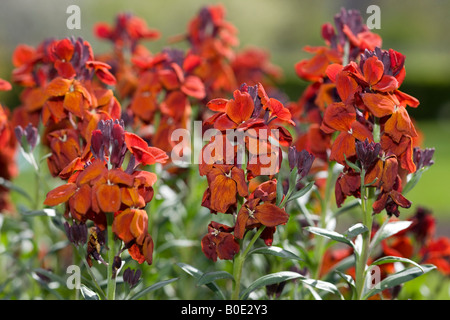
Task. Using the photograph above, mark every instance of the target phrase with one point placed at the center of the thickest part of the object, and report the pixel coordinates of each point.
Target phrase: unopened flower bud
(423, 157)
(367, 152)
(132, 277)
(76, 233)
(303, 160)
(28, 137)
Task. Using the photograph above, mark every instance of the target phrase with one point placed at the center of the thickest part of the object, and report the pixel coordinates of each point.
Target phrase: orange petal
(58, 87)
(92, 172)
(338, 117)
(74, 102)
(399, 124)
(346, 87)
(378, 104)
(108, 198)
(60, 194)
(373, 70)
(121, 225)
(223, 192)
(194, 87)
(386, 84)
(118, 176)
(81, 201)
(241, 108)
(218, 104)
(270, 215)
(344, 144)
(238, 176)
(139, 224)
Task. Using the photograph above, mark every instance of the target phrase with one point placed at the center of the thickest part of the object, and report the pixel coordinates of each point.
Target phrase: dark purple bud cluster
(28, 137)
(76, 233)
(109, 141)
(423, 157)
(303, 160)
(367, 152)
(132, 277)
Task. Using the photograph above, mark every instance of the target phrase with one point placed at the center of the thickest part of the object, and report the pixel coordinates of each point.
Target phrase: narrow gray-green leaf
(268, 280)
(151, 288)
(44, 212)
(347, 207)
(209, 277)
(194, 272)
(398, 278)
(415, 177)
(333, 235)
(88, 294)
(322, 285)
(280, 192)
(355, 230)
(301, 192)
(388, 229)
(392, 259)
(276, 251)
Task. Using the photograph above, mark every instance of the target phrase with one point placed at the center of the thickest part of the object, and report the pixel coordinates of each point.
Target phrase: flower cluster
(372, 108)
(417, 242)
(246, 189)
(99, 185)
(8, 150)
(355, 111)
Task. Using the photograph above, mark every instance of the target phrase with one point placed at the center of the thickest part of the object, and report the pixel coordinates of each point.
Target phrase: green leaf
(322, 285)
(280, 192)
(44, 212)
(415, 177)
(398, 278)
(352, 165)
(197, 274)
(293, 178)
(392, 259)
(153, 287)
(388, 229)
(347, 207)
(177, 243)
(9, 185)
(209, 277)
(347, 278)
(268, 280)
(301, 192)
(355, 230)
(333, 235)
(88, 294)
(276, 251)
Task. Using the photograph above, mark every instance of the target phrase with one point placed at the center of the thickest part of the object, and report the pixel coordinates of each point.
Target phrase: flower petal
(108, 197)
(60, 194)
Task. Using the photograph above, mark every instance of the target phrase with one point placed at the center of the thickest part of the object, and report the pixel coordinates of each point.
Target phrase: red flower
(437, 252)
(225, 182)
(219, 242)
(254, 214)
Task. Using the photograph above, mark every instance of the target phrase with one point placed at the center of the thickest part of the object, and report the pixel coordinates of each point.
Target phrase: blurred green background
(418, 29)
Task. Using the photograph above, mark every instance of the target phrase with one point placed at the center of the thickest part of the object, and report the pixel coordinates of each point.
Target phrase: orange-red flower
(219, 242)
(255, 214)
(225, 183)
(97, 185)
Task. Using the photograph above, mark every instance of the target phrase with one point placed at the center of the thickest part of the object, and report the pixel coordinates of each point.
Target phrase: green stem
(94, 280)
(239, 263)
(111, 287)
(325, 203)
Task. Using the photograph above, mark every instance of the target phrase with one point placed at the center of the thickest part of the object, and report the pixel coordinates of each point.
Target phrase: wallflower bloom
(101, 186)
(219, 242)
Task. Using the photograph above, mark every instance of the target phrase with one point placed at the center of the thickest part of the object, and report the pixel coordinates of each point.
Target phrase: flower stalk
(111, 286)
(239, 264)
